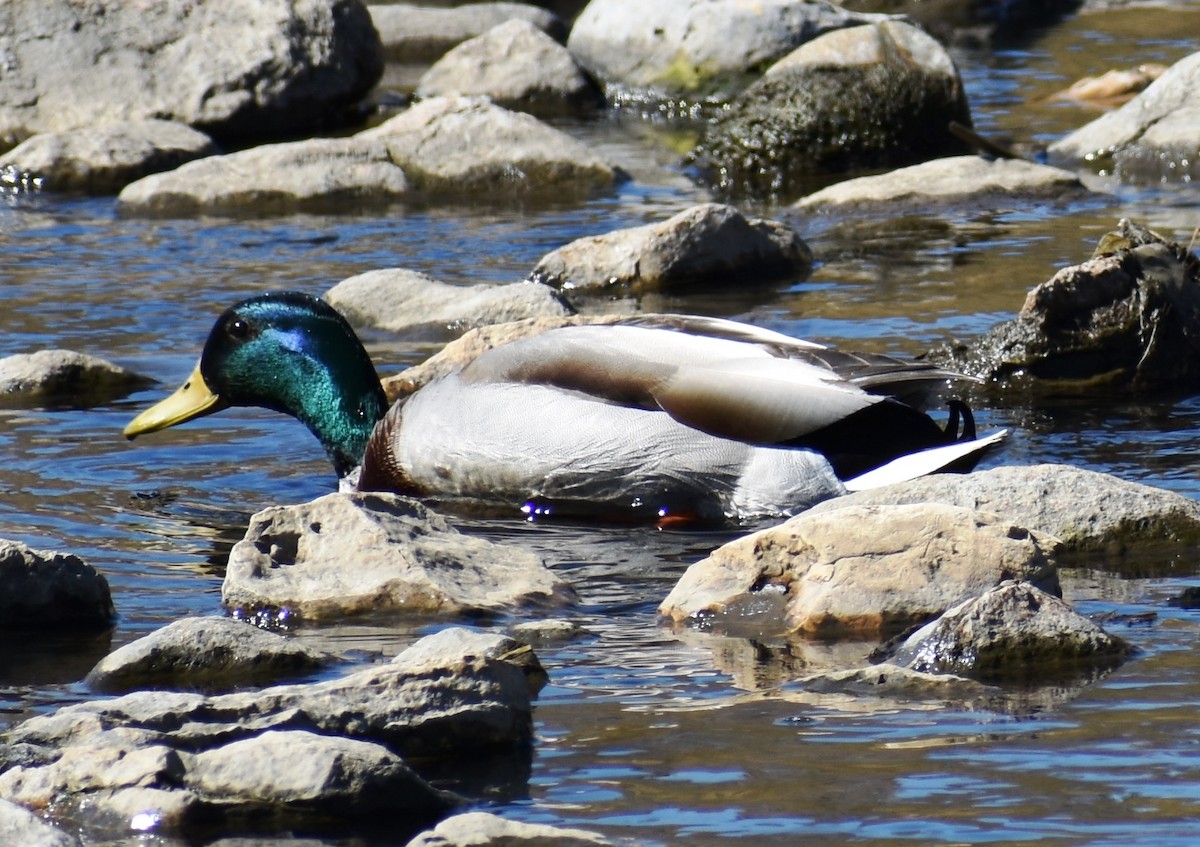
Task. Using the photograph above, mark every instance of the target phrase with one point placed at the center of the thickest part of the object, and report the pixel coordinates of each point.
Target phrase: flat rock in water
(1126, 317)
(41, 589)
(104, 159)
(709, 245)
(416, 33)
(309, 755)
(347, 554)
(483, 829)
(203, 653)
(697, 49)
(1014, 632)
(519, 67)
(1152, 138)
(867, 570)
(943, 181)
(274, 68)
(50, 376)
(1085, 510)
(867, 97)
(400, 300)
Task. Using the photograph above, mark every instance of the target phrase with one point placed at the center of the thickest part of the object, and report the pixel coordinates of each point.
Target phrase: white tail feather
(925, 462)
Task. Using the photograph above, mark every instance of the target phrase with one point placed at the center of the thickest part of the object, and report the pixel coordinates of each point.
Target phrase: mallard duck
(653, 417)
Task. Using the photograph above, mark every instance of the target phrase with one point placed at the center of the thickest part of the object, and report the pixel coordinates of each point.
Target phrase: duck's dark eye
(239, 329)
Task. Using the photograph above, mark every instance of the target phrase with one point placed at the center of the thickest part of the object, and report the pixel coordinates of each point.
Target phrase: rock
(483, 829)
(706, 245)
(1113, 87)
(64, 376)
(547, 631)
(1128, 317)
(400, 300)
(887, 680)
(19, 826)
(104, 159)
(316, 174)
(974, 24)
(469, 146)
(940, 182)
(346, 554)
(442, 146)
(1153, 138)
(45, 590)
(868, 97)
(1085, 510)
(415, 33)
(694, 49)
(1013, 633)
(312, 756)
(519, 67)
(203, 653)
(860, 569)
(267, 70)
(1189, 598)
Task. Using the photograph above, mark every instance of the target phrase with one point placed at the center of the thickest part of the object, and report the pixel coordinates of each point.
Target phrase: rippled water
(645, 732)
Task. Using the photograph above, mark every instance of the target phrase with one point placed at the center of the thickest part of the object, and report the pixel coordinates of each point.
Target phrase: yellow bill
(193, 399)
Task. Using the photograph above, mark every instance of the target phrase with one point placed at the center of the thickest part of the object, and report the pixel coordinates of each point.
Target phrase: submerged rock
(40, 589)
(873, 570)
(104, 159)
(705, 246)
(203, 654)
(275, 68)
(1085, 510)
(483, 829)
(347, 554)
(64, 376)
(1129, 316)
(419, 33)
(1112, 88)
(866, 97)
(400, 300)
(1153, 138)
(334, 754)
(1013, 633)
(519, 67)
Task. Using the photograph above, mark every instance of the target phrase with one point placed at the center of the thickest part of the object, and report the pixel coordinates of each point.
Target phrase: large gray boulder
(104, 159)
(418, 33)
(868, 97)
(400, 300)
(311, 755)
(694, 49)
(64, 376)
(1085, 510)
(519, 67)
(865, 570)
(348, 554)
(41, 589)
(1153, 138)
(709, 245)
(243, 69)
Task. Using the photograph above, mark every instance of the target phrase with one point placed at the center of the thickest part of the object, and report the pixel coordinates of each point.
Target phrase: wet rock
(346, 554)
(1085, 510)
(43, 589)
(694, 49)
(64, 376)
(861, 569)
(416, 33)
(1152, 138)
(1112, 88)
(547, 631)
(958, 179)
(1189, 598)
(315, 174)
(483, 829)
(879, 96)
(275, 68)
(519, 67)
(203, 654)
(1013, 633)
(104, 159)
(973, 23)
(19, 826)
(1129, 316)
(314, 756)
(707, 245)
(400, 300)
(470, 146)
(893, 682)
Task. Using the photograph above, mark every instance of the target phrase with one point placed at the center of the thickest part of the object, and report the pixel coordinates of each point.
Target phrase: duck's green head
(286, 351)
